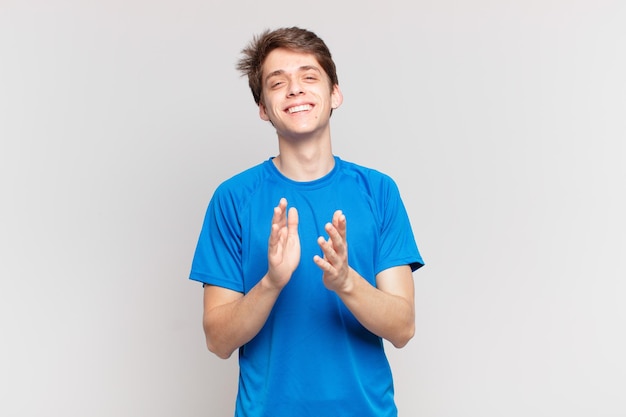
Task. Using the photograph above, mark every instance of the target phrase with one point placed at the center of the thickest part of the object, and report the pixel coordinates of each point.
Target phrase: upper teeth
(299, 108)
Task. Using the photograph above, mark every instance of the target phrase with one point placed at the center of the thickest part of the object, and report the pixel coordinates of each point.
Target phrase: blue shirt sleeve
(217, 259)
(397, 242)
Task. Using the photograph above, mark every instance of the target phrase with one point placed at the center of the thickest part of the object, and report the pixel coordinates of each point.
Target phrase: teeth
(299, 108)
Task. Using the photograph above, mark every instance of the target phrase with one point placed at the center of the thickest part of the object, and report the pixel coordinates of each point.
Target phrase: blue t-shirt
(312, 357)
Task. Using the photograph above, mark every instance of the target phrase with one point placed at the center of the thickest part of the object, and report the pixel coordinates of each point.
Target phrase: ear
(336, 97)
(262, 112)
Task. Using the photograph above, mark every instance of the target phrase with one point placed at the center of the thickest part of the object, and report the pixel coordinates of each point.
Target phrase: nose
(295, 89)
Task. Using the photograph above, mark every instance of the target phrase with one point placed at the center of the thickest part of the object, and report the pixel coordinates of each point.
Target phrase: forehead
(283, 60)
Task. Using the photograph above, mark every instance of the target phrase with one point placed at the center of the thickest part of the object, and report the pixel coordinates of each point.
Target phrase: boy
(306, 299)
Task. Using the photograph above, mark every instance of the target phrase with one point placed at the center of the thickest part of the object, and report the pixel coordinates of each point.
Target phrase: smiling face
(297, 97)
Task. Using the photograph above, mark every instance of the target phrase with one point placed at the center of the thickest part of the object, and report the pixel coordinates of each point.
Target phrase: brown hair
(295, 39)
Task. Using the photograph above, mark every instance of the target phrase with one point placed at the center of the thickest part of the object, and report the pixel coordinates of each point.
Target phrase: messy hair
(295, 39)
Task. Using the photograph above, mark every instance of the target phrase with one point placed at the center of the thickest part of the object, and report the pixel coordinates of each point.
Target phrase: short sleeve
(217, 259)
(397, 241)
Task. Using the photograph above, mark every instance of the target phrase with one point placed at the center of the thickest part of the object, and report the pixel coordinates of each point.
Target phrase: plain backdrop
(503, 123)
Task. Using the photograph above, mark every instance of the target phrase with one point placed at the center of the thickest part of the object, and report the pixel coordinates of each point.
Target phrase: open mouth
(301, 108)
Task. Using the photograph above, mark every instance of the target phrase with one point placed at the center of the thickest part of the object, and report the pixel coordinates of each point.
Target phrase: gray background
(503, 123)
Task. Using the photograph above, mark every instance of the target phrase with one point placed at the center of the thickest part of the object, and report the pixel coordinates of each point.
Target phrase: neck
(304, 164)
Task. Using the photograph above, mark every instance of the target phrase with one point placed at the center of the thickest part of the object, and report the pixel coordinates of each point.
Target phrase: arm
(230, 318)
(387, 310)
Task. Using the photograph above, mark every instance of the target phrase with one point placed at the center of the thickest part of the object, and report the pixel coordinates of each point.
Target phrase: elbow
(404, 337)
(219, 352)
(214, 346)
(218, 349)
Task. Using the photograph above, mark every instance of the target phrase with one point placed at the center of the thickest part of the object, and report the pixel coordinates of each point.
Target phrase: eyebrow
(301, 69)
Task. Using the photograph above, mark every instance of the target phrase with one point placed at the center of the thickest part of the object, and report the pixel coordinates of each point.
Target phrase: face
(297, 97)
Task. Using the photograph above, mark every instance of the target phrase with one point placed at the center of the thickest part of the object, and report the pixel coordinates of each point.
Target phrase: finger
(336, 215)
(280, 213)
(339, 221)
(274, 240)
(336, 240)
(279, 220)
(330, 255)
(276, 216)
(323, 264)
(282, 203)
(292, 221)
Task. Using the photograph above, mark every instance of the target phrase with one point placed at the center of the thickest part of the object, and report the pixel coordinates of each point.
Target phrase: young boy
(305, 297)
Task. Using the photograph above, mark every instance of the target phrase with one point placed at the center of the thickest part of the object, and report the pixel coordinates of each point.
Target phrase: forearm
(232, 319)
(389, 316)
(230, 325)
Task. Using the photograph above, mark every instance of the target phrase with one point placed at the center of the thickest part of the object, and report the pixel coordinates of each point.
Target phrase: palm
(284, 245)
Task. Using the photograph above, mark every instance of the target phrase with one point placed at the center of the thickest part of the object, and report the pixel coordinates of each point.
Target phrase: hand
(283, 252)
(335, 262)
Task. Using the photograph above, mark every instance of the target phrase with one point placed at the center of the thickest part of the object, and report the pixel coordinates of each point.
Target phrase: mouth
(300, 108)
